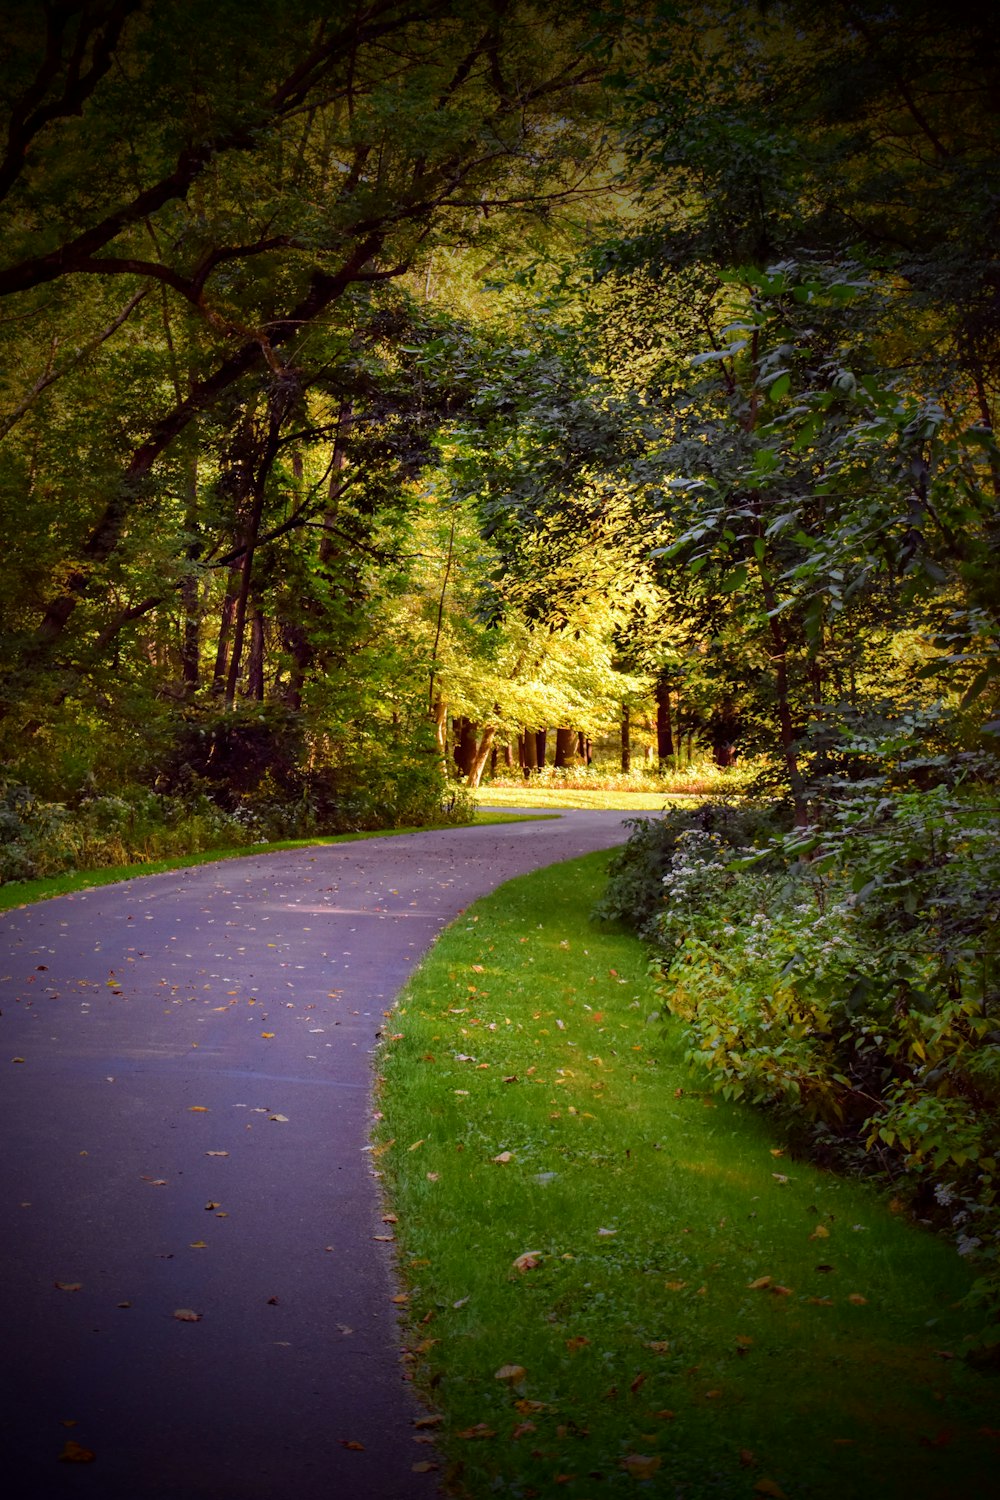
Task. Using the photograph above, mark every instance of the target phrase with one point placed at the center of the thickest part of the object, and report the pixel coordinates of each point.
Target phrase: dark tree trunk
(225, 626)
(255, 660)
(465, 749)
(541, 737)
(567, 741)
(190, 600)
(529, 752)
(626, 739)
(664, 725)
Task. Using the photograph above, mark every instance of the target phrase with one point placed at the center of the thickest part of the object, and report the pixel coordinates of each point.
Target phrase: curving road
(185, 1106)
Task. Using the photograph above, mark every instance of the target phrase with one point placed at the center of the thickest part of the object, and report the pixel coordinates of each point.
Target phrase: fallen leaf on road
(198, 1245)
(426, 1467)
(281, 1119)
(198, 1109)
(216, 1153)
(185, 1315)
(432, 1421)
(268, 1036)
(73, 1453)
(69, 1286)
(355, 1447)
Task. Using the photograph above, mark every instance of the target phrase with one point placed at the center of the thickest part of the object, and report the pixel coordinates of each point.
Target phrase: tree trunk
(225, 626)
(664, 725)
(441, 724)
(190, 600)
(541, 736)
(566, 746)
(626, 739)
(480, 755)
(465, 749)
(529, 752)
(255, 661)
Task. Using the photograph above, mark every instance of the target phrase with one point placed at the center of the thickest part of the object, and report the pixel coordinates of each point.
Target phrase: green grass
(21, 892)
(643, 1345)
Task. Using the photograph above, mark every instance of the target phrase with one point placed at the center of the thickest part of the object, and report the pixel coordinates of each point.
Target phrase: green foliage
(845, 975)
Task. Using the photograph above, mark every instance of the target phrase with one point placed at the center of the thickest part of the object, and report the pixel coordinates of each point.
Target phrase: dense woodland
(393, 392)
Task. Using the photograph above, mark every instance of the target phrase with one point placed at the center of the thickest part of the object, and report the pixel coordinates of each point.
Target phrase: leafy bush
(847, 977)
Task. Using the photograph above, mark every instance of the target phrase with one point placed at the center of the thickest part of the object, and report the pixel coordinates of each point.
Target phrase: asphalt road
(187, 1061)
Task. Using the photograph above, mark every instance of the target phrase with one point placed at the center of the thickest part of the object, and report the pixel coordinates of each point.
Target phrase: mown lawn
(618, 1285)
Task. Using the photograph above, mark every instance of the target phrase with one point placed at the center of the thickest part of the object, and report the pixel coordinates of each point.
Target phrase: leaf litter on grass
(823, 1370)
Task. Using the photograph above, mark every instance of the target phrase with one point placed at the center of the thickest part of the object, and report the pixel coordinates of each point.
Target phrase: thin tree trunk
(626, 739)
(225, 626)
(529, 752)
(255, 661)
(664, 725)
(480, 756)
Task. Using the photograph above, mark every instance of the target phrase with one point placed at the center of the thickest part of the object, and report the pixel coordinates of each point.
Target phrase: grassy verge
(616, 1284)
(21, 892)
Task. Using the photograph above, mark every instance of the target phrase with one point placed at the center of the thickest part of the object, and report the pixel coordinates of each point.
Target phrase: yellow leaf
(268, 1036)
(185, 1315)
(761, 1284)
(198, 1109)
(820, 1233)
(73, 1453)
(401, 1297)
(416, 1144)
(511, 1373)
(674, 1286)
(640, 1465)
(198, 1245)
(433, 1421)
